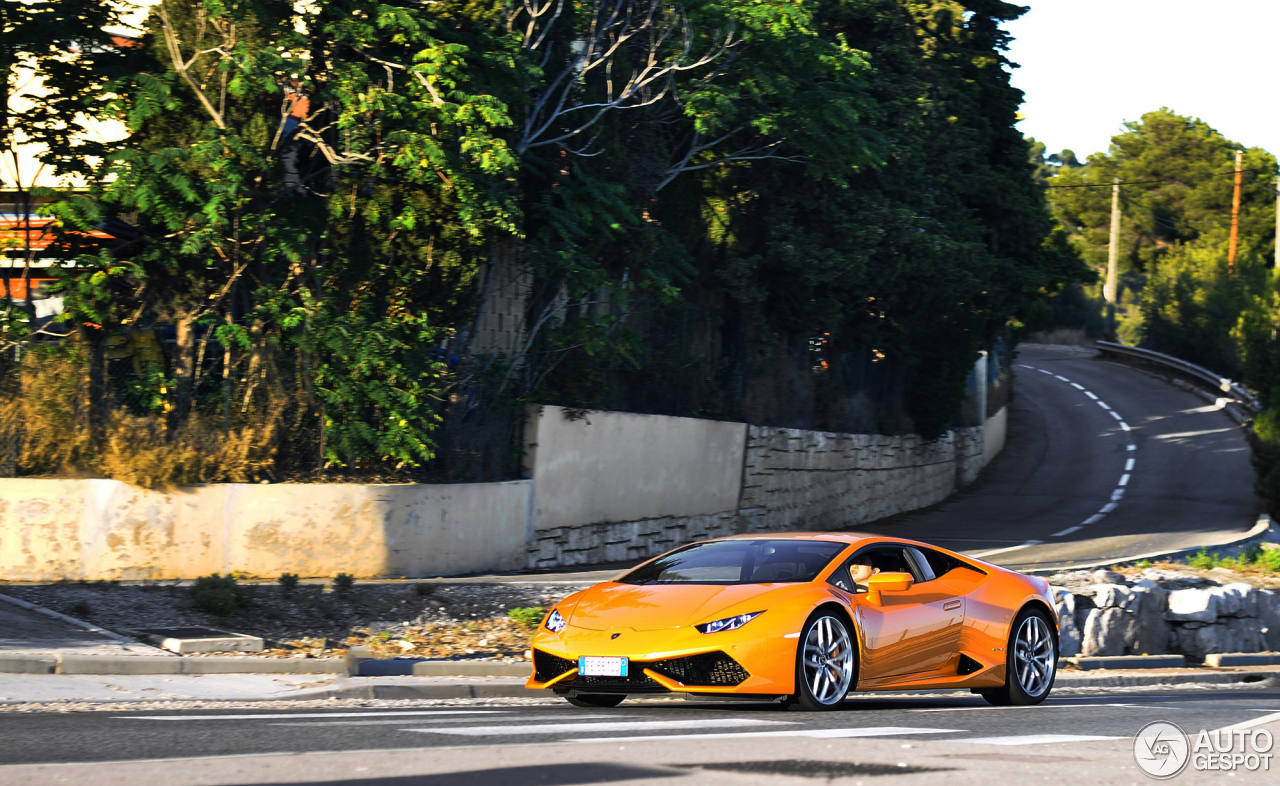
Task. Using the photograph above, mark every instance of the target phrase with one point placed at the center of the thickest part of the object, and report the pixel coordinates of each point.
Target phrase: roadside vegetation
(811, 214)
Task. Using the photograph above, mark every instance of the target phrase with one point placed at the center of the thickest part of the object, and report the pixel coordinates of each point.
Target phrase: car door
(911, 632)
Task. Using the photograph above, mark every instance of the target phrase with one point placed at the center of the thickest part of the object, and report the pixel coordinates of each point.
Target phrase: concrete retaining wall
(791, 480)
(106, 529)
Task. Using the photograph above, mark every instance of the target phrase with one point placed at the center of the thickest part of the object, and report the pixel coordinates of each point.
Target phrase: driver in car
(861, 569)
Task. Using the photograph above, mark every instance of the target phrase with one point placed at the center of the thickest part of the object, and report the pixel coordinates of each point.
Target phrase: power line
(1232, 173)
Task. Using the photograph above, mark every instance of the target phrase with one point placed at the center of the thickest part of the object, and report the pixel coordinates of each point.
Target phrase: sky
(1087, 66)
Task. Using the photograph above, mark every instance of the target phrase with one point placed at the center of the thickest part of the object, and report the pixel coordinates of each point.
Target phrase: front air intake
(547, 667)
(708, 668)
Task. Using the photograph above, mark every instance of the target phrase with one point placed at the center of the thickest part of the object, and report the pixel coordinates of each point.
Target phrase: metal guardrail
(1223, 385)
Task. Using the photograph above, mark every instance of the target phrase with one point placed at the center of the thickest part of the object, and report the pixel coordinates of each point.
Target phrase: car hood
(660, 606)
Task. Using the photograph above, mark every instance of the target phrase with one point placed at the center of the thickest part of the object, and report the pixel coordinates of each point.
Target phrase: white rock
(1150, 631)
(1200, 640)
(1108, 577)
(1237, 600)
(1064, 603)
(1245, 635)
(1113, 596)
(1192, 605)
(1107, 632)
(1268, 604)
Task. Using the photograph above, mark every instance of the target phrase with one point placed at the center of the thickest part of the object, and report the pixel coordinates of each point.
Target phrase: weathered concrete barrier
(106, 529)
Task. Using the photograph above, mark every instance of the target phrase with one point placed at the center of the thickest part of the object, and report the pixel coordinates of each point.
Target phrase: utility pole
(1235, 215)
(1113, 256)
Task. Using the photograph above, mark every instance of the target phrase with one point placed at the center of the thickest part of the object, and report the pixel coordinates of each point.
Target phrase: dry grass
(45, 417)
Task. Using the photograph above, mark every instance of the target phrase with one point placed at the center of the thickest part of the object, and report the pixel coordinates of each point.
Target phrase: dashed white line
(1116, 495)
(561, 728)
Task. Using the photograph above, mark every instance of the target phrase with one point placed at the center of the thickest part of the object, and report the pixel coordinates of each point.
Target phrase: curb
(1262, 528)
(57, 663)
(1117, 662)
(1260, 678)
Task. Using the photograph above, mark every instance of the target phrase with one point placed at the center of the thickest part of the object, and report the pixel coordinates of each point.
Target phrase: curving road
(1103, 462)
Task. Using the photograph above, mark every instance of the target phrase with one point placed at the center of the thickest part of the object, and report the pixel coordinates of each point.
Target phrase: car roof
(841, 537)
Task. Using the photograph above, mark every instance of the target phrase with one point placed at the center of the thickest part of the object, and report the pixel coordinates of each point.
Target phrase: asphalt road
(1155, 469)
(940, 739)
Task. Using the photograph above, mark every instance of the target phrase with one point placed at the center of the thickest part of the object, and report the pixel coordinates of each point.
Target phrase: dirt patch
(452, 621)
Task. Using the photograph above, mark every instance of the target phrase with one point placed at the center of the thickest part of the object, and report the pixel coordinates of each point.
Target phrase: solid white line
(1117, 495)
(1103, 404)
(1115, 414)
(560, 728)
(1130, 446)
(1128, 465)
(1004, 709)
(1077, 386)
(1059, 376)
(1090, 395)
(1008, 548)
(1275, 716)
(1066, 532)
(402, 721)
(1124, 479)
(287, 716)
(1094, 519)
(1037, 739)
(827, 734)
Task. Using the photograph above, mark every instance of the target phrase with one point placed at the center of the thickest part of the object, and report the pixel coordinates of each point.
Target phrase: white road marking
(401, 722)
(287, 716)
(1128, 465)
(1130, 446)
(1043, 371)
(1117, 495)
(1037, 739)
(1103, 404)
(560, 728)
(1107, 508)
(1090, 395)
(1077, 386)
(827, 734)
(1094, 519)
(1007, 548)
(1066, 532)
(1275, 716)
(1124, 426)
(1024, 365)
(1059, 376)
(1114, 414)
(1124, 479)
(1004, 709)
(1185, 434)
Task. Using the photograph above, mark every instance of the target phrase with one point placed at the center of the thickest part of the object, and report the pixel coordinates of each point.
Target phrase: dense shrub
(219, 594)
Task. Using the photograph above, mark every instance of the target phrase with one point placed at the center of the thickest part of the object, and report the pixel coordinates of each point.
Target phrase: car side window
(841, 579)
(923, 570)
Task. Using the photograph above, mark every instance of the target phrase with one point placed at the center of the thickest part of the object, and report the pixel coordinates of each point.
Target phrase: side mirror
(887, 582)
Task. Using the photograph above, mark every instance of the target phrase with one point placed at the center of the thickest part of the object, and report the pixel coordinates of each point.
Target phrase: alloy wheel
(1034, 658)
(828, 660)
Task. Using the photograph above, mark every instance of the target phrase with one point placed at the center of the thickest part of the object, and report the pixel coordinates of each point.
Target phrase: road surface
(1103, 462)
(947, 739)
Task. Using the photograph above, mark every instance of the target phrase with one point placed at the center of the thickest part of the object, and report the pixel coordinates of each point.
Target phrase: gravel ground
(452, 621)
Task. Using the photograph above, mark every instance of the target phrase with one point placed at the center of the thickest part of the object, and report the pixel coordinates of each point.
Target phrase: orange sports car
(804, 618)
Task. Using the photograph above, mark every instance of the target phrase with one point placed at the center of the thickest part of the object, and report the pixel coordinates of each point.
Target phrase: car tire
(826, 663)
(595, 699)
(1031, 661)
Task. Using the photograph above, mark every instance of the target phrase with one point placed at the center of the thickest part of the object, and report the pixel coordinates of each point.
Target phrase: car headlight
(555, 622)
(729, 623)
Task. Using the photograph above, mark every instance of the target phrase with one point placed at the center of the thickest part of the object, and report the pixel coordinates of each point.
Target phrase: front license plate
(602, 667)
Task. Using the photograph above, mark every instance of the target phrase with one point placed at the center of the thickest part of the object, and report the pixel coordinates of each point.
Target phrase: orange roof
(13, 228)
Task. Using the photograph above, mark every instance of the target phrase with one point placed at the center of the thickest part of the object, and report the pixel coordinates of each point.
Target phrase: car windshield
(739, 562)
